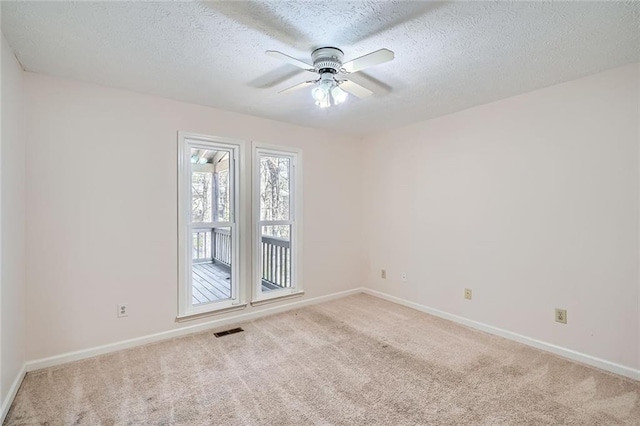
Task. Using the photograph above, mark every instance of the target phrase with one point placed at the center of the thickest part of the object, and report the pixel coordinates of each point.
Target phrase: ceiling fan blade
(369, 60)
(286, 58)
(355, 89)
(297, 87)
(364, 79)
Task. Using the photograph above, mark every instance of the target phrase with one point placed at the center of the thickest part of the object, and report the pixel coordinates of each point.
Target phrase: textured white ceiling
(449, 55)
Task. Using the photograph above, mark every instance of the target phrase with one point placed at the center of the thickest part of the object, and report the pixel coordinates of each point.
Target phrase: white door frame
(186, 141)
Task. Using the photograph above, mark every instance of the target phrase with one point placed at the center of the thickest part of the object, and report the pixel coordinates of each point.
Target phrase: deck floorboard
(219, 278)
(211, 283)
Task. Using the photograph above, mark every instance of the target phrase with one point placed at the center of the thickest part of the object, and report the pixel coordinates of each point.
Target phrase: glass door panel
(212, 229)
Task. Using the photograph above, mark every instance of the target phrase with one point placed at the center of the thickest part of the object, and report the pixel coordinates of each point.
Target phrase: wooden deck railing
(214, 245)
(201, 251)
(276, 262)
(222, 246)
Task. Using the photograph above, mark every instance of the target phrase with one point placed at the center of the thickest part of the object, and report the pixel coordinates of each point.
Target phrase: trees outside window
(274, 193)
(202, 194)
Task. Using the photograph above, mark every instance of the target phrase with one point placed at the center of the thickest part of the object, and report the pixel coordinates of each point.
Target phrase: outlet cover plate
(467, 293)
(123, 311)
(561, 316)
(383, 274)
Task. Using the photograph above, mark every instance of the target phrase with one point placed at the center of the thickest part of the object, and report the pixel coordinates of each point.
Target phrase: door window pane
(208, 233)
(274, 187)
(210, 186)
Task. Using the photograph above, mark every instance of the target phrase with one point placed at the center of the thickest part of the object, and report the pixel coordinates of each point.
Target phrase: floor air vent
(227, 332)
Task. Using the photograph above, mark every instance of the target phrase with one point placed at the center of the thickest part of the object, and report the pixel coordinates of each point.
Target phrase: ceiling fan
(333, 84)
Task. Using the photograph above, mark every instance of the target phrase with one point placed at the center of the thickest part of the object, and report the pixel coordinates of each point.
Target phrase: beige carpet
(355, 361)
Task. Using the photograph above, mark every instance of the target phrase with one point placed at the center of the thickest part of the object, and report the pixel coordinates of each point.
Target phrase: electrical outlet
(383, 274)
(123, 311)
(403, 276)
(561, 316)
(467, 293)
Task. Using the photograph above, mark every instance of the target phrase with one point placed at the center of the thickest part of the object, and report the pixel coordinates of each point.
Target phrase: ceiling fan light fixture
(325, 103)
(322, 92)
(339, 95)
(319, 93)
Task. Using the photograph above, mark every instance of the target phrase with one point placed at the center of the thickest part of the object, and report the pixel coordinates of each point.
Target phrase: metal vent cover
(227, 332)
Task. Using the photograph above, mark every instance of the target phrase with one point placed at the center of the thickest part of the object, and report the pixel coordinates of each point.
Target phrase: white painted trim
(13, 390)
(548, 347)
(194, 317)
(170, 334)
(235, 147)
(277, 299)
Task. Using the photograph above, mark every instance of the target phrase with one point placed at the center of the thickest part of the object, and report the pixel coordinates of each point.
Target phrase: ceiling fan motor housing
(327, 59)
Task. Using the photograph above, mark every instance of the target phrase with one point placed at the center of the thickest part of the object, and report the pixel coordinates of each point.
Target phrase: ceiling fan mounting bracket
(327, 59)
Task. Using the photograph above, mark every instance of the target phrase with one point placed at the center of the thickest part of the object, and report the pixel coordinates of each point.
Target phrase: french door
(214, 273)
(208, 224)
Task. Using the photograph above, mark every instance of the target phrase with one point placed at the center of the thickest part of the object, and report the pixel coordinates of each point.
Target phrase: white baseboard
(170, 334)
(558, 350)
(13, 390)
(112, 347)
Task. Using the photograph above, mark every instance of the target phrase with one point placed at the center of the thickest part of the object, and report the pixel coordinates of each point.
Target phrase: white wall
(532, 202)
(102, 224)
(12, 223)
